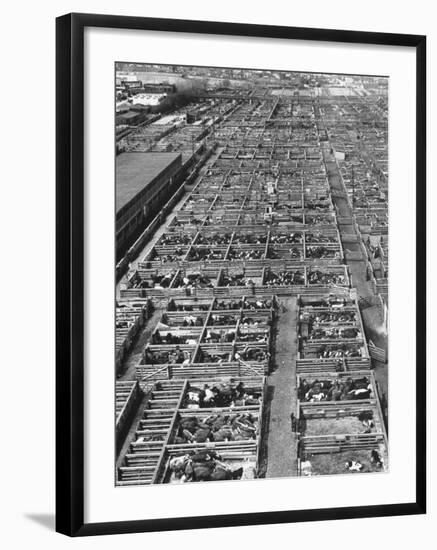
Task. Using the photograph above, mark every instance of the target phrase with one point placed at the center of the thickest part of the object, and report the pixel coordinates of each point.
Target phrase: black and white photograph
(252, 251)
(217, 336)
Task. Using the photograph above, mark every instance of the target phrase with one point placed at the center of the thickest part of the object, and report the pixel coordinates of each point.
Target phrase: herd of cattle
(259, 223)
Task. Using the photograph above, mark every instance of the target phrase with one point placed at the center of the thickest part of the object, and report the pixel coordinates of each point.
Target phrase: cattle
(325, 390)
(376, 458)
(353, 466)
(202, 466)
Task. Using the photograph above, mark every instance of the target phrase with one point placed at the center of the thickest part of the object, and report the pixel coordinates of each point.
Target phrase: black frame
(70, 278)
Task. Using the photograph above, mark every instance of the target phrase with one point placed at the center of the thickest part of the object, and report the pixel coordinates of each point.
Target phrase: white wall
(27, 219)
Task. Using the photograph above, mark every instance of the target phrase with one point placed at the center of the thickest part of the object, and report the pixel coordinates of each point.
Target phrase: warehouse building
(130, 118)
(159, 88)
(144, 181)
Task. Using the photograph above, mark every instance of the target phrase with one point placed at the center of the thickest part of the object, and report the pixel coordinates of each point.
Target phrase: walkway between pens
(136, 353)
(372, 317)
(280, 453)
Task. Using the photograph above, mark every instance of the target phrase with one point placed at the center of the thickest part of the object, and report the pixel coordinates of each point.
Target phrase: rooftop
(134, 171)
(128, 114)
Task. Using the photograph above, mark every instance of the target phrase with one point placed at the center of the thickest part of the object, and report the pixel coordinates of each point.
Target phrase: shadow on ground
(46, 520)
(268, 396)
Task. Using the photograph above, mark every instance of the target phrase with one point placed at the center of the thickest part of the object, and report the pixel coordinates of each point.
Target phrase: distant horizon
(205, 68)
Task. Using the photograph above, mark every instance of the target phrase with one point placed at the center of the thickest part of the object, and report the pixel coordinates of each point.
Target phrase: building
(129, 84)
(153, 100)
(131, 117)
(160, 88)
(124, 76)
(192, 117)
(144, 182)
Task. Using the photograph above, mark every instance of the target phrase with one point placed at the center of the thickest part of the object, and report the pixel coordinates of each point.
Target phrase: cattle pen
(242, 335)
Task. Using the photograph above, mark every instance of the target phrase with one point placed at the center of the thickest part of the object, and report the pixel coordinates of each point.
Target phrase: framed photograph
(240, 274)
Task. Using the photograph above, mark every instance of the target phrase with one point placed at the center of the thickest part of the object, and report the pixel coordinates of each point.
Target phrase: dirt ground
(280, 443)
(334, 463)
(326, 426)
